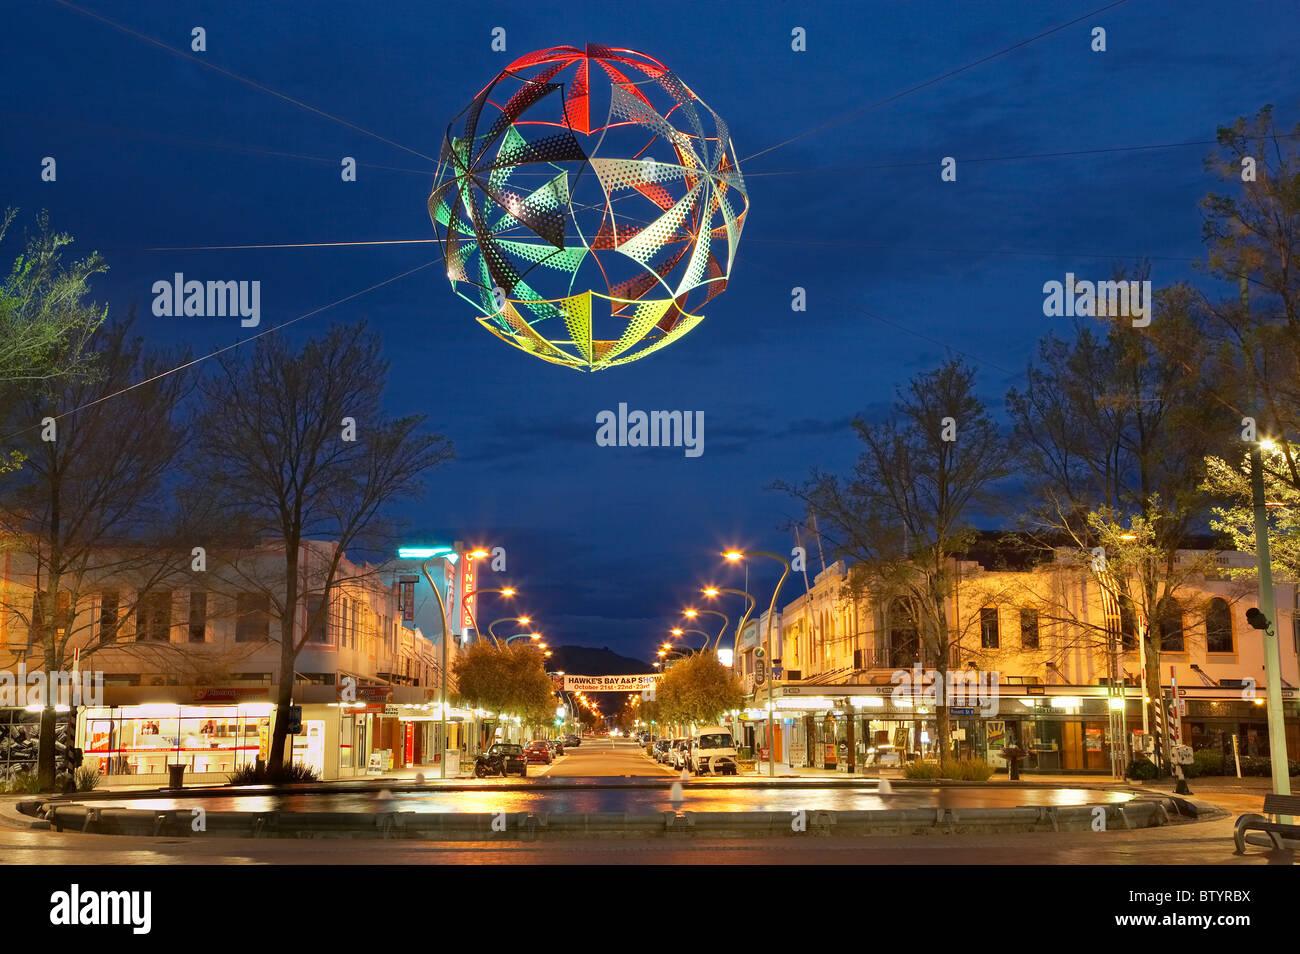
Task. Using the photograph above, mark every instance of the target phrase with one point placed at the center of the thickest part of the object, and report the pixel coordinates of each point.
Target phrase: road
(603, 758)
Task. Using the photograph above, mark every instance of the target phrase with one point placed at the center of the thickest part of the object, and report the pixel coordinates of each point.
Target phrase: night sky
(901, 270)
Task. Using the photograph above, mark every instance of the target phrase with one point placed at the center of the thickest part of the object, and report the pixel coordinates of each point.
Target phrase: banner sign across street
(611, 683)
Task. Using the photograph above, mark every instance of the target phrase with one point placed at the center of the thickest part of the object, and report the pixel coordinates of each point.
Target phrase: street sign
(760, 672)
(760, 653)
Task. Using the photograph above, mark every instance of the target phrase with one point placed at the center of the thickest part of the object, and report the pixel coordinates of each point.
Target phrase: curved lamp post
(492, 626)
(692, 613)
(735, 556)
(712, 591)
(678, 631)
(506, 591)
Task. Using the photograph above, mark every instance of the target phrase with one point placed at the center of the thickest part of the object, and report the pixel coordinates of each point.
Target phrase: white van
(713, 751)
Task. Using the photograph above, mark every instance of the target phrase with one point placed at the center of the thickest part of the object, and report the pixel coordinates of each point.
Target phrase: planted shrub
(964, 770)
(259, 773)
(88, 779)
(1140, 769)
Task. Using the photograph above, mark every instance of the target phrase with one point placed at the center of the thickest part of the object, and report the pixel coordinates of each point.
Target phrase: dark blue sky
(901, 269)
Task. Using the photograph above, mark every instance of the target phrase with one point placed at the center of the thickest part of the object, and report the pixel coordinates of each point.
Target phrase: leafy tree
(510, 679)
(294, 445)
(905, 512)
(46, 322)
(697, 689)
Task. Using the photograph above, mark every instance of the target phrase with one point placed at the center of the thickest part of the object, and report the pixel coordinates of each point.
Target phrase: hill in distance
(590, 661)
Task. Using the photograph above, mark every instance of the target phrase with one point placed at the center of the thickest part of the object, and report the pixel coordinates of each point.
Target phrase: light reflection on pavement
(578, 800)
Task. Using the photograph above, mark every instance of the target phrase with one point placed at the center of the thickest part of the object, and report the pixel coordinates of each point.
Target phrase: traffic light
(295, 720)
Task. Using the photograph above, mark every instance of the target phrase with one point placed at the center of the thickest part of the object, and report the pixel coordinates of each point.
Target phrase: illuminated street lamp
(522, 620)
(712, 592)
(736, 556)
(690, 613)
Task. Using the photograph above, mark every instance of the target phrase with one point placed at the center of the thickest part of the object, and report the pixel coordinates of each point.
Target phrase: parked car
(712, 751)
(557, 747)
(678, 753)
(660, 750)
(538, 751)
(502, 759)
(572, 740)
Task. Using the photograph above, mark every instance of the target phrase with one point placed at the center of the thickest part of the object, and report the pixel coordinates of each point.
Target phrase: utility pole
(1272, 650)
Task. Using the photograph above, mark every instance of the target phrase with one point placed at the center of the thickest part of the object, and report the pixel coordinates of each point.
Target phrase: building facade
(1063, 654)
(190, 663)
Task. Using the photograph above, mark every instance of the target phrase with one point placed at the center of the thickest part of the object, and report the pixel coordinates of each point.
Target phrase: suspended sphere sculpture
(588, 204)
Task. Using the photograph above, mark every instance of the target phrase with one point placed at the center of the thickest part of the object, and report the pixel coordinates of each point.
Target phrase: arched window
(1170, 616)
(1218, 627)
(904, 634)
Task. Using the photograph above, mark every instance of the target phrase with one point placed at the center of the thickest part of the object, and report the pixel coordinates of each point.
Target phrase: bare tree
(905, 513)
(295, 445)
(89, 501)
(1112, 432)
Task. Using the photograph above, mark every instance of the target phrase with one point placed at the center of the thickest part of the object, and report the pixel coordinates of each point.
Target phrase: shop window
(253, 617)
(1218, 627)
(153, 617)
(1029, 628)
(989, 636)
(1169, 614)
(110, 602)
(198, 616)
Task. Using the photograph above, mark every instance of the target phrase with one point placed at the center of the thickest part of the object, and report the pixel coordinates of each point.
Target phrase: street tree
(509, 679)
(1112, 432)
(90, 502)
(293, 445)
(697, 690)
(905, 513)
(46, 318)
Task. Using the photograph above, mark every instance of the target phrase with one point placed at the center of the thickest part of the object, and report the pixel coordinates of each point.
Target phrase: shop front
(137, 743)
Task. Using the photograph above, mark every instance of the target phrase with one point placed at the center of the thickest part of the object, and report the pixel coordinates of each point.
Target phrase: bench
(1274, 805)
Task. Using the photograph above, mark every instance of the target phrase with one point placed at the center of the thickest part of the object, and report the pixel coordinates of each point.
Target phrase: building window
(1218, 627)
(1029, 628)
(904, 635)
(110, 602)
(989, 638)
(153, 616)
(317, 622)
(198, 616)
(253, 617)
(1170, 616)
